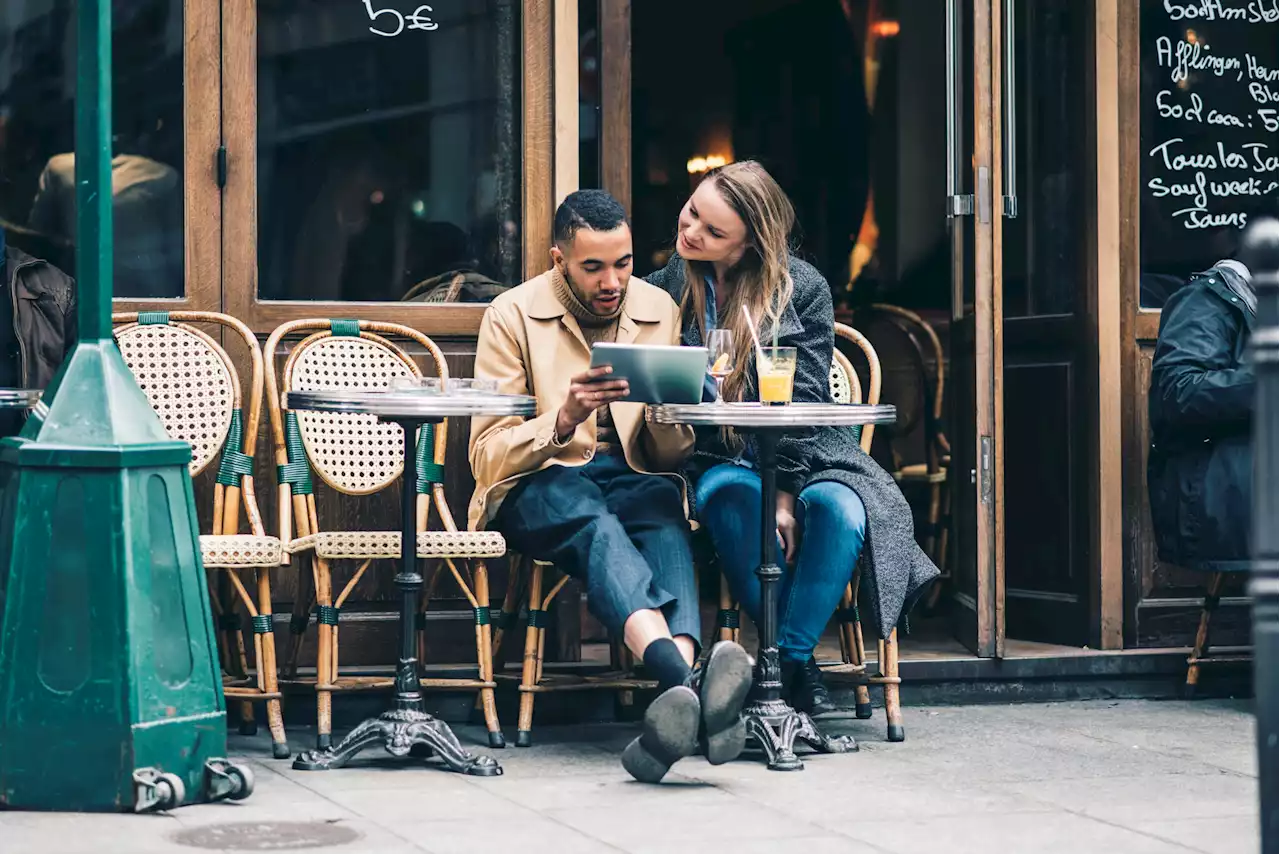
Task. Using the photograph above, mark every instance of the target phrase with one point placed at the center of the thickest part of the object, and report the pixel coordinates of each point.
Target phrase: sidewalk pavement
(1129, 777)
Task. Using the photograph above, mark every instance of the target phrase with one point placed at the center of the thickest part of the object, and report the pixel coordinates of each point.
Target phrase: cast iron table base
(406, 728)
(771, 722)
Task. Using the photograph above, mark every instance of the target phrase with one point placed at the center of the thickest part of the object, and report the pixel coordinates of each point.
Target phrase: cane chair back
(853, 336)
(845, 387)
(194, 387)
(354, 453)
(189, 380)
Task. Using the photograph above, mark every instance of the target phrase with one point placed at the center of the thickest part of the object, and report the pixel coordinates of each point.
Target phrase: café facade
(1027, 177)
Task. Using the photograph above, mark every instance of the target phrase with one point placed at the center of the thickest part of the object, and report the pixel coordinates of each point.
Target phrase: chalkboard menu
(1210, 128)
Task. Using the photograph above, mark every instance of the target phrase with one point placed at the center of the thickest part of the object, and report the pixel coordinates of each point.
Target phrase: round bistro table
(770, 721)
(406, 726)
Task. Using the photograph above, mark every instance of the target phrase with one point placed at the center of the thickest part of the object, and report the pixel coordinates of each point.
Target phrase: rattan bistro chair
(358, 455)
(847, 388)
(193, 386)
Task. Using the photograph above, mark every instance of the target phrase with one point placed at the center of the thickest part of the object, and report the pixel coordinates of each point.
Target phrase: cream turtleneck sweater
(595, 327)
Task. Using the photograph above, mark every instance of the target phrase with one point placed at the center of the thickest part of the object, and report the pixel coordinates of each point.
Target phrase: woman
(732, 251)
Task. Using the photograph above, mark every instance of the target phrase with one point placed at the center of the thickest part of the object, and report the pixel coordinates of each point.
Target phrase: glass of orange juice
(777, 375)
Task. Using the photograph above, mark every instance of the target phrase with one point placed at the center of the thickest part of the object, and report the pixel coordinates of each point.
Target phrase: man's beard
(582, 298)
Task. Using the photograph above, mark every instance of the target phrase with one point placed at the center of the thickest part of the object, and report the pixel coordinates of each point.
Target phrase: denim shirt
(746, 458)
(709, 319)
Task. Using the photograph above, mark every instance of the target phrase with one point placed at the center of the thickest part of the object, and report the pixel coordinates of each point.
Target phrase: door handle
(958, 204)
(1009, 98)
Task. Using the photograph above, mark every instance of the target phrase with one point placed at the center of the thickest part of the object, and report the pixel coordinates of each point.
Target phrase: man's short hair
(593, 209)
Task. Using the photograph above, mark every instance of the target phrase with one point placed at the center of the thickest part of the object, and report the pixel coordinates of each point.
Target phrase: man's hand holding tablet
(588, 391)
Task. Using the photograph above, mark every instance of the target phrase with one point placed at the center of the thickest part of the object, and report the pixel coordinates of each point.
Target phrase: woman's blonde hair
(760, 280)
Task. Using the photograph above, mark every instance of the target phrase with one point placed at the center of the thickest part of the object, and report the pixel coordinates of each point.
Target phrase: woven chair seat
(919, 473)
(229, 551)
(344, 545)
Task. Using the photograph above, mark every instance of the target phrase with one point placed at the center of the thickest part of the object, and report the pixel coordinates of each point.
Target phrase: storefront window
(388, 149)
(1209, 123)
(37, 138)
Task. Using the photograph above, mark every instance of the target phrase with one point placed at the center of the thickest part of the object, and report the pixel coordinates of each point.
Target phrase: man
(37, 324)
(1199, 472)
(582, 485)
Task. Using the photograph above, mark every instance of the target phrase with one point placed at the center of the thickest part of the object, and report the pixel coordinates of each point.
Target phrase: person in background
(37, 324)
(1200, 465)
(582, 484)
(732, 251)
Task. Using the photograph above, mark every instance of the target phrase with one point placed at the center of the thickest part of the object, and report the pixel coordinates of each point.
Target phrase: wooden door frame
(545, 171)
(984, 630)
(201, 136)
(615, 99)
(1138, 326)
(1104, 314)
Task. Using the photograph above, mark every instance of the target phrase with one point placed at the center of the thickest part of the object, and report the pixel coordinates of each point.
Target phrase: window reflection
(388, 165)
(37, 138)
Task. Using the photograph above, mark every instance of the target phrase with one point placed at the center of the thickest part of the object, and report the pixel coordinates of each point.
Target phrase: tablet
(657, 373)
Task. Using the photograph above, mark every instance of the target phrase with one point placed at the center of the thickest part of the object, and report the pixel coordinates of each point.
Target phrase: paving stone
(635, 825)
(498, 833)
(1230, 835)
(1043, 833)
(1135, 801)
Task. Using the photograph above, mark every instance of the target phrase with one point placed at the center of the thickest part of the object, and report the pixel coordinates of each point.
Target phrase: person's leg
(728, 501)
(651, 508)
(833, 524)
(560, 515)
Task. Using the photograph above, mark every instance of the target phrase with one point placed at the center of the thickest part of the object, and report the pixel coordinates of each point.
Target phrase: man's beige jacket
(530, 344)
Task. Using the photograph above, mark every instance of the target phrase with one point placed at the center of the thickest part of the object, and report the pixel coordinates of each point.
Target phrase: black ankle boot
(808, 693)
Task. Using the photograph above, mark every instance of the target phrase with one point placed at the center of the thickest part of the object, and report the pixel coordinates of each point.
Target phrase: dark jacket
(44, 315)
(1200, 467)
(896, 570)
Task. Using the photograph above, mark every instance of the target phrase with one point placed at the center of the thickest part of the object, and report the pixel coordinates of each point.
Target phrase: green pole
(110, 692)
(95, 252)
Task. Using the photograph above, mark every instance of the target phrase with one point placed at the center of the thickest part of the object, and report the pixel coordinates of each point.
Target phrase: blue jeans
(832, 524)
(623, 534)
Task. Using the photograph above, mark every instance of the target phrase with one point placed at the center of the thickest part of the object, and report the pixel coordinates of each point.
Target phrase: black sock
(664, 659)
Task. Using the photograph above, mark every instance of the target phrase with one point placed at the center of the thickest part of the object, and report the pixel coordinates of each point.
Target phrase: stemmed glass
(719, 358)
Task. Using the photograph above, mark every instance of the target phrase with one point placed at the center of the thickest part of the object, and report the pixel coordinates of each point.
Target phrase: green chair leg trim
(327, 615)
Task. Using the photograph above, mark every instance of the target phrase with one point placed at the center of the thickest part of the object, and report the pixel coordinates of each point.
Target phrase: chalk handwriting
(399, 22)
(1219, 117)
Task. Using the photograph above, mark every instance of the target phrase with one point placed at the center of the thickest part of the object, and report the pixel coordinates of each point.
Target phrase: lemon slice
(721, 363)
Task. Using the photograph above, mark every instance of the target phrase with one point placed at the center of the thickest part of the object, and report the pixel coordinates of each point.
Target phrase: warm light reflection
(886, 29)
(698, 165)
